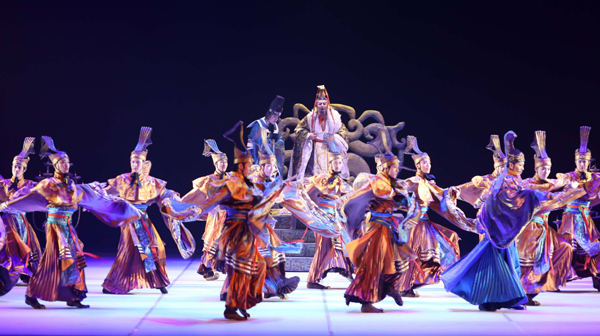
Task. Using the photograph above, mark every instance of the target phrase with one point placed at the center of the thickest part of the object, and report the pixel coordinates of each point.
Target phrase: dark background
(91, 75)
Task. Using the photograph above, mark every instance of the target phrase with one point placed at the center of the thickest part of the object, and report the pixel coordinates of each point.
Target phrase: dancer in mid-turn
(380, 252)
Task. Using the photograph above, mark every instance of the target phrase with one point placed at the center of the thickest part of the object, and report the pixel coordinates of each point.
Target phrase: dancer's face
(498, 170)
(582, 165)
(322, 106)
(517, 167)
(246, 169)
(63, 166)
(543, 172)
(18, 170)
(137, 165)
(268, 169)
(273, 118)
(425, 165)
(336, 165)
(393, 170)
(221, 166)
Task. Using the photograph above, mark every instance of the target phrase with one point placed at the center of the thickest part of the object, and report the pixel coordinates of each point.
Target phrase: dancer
(309, 155)
(237, 246)
(436, 246)
(577, 226)
(381, 253)
(330, 254)
(472, 191)
(544, 256)
(489, 276)
(21, 254)
(276, 283)
(274, 142)
(60, 276)
(202, 190)
(141, 258)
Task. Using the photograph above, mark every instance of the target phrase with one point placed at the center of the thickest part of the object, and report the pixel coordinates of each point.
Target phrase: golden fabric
(128, 271)
(329, 252)
(558, 250)
(376, 254)
(23, 187)
(57, 195)
(332, 190)
(151, 188)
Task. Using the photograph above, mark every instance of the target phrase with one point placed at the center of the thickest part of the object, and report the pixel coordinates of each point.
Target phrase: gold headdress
(514, 155)
(23, 157)
(494, 146)
(322, 94)
(49, 150)
(583, 153)
(140, 151)
(211, 149)
(240, 152)
(412, 148)
(539, 145)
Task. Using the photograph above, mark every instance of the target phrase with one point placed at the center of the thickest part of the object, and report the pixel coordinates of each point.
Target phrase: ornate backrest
(362, 131)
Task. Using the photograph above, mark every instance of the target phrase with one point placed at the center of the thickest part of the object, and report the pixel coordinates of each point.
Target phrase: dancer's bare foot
(369, 308)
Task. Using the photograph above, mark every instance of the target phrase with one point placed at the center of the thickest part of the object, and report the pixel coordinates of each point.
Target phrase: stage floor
(192, 307)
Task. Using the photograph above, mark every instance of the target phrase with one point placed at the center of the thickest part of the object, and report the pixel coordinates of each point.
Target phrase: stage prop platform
(192, 307)
(289, 229)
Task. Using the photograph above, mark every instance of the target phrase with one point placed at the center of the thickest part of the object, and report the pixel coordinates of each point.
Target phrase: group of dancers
(375, 232)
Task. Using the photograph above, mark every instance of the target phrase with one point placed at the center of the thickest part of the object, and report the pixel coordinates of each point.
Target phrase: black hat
(277, 105)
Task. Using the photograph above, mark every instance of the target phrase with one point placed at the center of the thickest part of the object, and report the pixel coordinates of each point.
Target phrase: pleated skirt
(487, 275)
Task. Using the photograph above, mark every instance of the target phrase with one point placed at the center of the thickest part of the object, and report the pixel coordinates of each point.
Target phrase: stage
(192, 307)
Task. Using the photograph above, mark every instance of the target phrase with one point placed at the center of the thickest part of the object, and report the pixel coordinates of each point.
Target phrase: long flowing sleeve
(181, 235)
(111, 211)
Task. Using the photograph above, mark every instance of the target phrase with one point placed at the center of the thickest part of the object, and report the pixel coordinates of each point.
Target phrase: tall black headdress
(276, 106)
